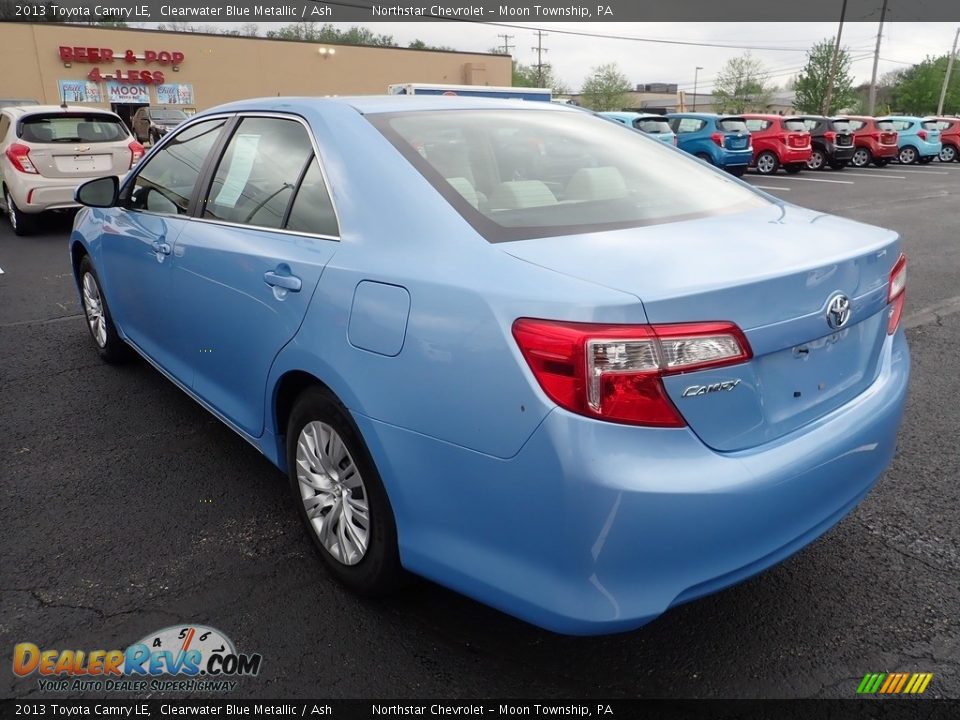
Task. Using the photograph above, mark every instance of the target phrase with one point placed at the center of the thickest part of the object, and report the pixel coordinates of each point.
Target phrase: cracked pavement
(128, 508)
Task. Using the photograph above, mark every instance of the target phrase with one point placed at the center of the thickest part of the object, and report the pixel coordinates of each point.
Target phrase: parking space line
(922, 172)
(874, 175)
(771, 187)
(823, 180)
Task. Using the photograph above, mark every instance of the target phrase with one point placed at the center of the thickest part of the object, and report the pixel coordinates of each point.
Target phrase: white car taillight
(896, 293)
(19, 156)
(614, 372)
(136, 152)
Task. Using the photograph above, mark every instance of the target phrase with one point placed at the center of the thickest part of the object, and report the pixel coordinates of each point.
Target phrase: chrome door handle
(161, 247)
(288, 282)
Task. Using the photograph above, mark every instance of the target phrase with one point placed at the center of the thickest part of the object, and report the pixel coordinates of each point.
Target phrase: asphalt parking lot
(127, 508)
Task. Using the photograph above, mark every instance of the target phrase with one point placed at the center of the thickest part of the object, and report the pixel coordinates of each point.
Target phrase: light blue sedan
(656, 126)
(504, 346)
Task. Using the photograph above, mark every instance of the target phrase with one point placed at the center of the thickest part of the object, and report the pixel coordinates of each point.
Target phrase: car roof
(370, 104)
(763, 116)
(23, 111)
(899, 117)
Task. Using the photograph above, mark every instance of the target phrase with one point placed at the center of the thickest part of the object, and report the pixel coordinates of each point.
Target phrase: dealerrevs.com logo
(181, 658)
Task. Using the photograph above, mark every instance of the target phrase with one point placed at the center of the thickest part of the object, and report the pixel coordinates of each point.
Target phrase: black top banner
(499, 11)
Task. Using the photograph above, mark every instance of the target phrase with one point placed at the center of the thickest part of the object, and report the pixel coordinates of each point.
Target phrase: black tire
(378, 571)
(154, 137)
(794, 168)
(705, 157)
(112, 349)
(838, 165)
(737, 170)
(22, 223)
(908, 155)
(817, 160)
(767, 163)
(925, 160)
(881, 162)
(861, 157)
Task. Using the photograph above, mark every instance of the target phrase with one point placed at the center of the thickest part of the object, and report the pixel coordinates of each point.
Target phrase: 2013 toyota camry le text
(530, 354)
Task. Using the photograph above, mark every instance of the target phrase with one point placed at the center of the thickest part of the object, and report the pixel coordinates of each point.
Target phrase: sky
(572, 57)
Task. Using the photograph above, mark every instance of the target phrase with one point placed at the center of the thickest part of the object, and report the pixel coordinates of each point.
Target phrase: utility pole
(946, 78)
(506, 43)
(833, 64)
(540, 51)
(696, 74)
(872, 103)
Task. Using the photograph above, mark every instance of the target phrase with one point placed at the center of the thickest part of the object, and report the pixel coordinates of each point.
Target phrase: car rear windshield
(652, 125)
(519, 174)
(795, 125)
(841, 126)
(733, 124)
(72, 128)
(176, 115)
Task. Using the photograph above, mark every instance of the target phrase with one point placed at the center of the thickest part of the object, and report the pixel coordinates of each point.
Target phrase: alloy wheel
(860, 158)
(333, 493)
(948, 153)
(766, 163)
(93, 307)
(908, 156)
(816, 160)
(11, 213)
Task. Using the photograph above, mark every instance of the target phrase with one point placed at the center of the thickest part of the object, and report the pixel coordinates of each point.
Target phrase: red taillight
(922, 134)
(717, 138)
(19, 156)
(896, 293)
(830, 136)
(136, 152)
(614, 372)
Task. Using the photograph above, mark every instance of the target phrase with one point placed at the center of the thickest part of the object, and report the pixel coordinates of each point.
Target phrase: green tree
(327, 33)
(605, 89)
(526, 75)
(421, 45)
(740, 85)
(813, 81)
(917, 89)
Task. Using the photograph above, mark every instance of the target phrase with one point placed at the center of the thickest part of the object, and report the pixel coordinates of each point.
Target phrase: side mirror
(102, 192)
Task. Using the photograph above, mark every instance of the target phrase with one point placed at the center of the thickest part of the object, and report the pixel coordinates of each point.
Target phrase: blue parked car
(502, 345)
(720, 140)
(918, 139)
(655, 125)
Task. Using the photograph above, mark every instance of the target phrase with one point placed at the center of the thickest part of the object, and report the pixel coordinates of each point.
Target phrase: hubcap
(860, 158)
(10, 211)
(333, 493)
(93, 306)
(907, 156)
(815, 161)
(766, 163)
(947, 154)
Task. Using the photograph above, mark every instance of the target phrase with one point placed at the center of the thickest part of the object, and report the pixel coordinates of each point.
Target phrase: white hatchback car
(48, 150)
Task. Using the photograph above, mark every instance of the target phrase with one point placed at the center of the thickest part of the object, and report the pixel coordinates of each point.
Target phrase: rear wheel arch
(77, 253)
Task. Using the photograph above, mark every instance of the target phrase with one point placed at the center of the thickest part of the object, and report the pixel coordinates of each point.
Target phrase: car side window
(166, 182)
(901, 124)
(688, 125)
(4, 126)
(256, 177)
(755, 124)
(312, 209)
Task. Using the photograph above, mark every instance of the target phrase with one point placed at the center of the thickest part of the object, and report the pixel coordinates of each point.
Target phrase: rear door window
(856, 125)
(71, 128)
(930, 125)
(312, 209)
(901, 125)
(795, 125)
(652, 125)
(689, 125)
(256, 177)
(732, 125)
(886, 126)
(756, 124)
(166, 182)
(841, 126)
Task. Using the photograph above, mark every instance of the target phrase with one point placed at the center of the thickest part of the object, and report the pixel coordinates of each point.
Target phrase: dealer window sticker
(241, 165)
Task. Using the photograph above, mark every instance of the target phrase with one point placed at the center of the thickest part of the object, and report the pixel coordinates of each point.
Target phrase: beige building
(53, 63)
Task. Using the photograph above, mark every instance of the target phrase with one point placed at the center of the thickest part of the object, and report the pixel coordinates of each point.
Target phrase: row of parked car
(795, 142)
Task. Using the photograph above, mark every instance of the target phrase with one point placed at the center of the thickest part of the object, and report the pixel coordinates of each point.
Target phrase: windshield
(652, 125)
(72, 128)
(795, 125)
(733, 124)
(518, 174)
(168, 115)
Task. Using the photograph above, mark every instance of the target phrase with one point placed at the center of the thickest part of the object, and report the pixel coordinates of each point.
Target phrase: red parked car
(875, 141)
(949, 137)
(778, 142)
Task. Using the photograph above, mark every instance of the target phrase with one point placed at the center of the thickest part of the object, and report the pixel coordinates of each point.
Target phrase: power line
(506, 43)
(540, 51)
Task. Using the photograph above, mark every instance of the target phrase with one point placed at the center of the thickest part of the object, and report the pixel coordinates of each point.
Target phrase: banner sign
(127, 93)
(79, 91)
(175, 94)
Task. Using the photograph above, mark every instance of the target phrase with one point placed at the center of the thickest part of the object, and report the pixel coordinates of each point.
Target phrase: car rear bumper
(794, 156)
(596, 527)
(38, 194)
(840, 153)
(883, 152)
(926, 149)
(732, 158)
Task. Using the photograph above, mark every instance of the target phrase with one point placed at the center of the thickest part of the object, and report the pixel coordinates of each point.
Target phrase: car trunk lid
(75, 145)
(773, 272)
(736, 135)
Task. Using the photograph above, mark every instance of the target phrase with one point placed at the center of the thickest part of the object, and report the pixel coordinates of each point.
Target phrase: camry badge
(838, 311)
(697, 390)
